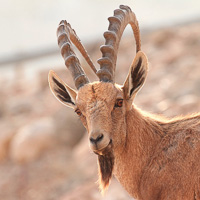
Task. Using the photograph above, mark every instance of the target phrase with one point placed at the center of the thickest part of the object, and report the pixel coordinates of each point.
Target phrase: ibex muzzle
(99, 141)
(99, 129)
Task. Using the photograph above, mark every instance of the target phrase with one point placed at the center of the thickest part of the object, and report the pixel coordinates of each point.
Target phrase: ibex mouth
(104, 150)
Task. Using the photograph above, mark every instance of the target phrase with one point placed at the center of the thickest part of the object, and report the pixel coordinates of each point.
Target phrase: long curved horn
(77, 42)
(71, 61)
(122, 17)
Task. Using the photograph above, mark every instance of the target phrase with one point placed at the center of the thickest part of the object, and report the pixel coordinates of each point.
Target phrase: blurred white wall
(27, 24)
(30, 26)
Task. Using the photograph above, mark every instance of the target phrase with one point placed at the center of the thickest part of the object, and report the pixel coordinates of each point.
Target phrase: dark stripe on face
(93, 90)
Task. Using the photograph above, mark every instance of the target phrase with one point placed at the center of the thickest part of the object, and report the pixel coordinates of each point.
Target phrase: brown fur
(161, 157)
(152, 157)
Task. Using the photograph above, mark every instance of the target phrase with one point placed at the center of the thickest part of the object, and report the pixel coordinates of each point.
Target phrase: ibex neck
(142, 136)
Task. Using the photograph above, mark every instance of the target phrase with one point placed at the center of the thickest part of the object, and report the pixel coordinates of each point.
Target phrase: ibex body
(153, 158)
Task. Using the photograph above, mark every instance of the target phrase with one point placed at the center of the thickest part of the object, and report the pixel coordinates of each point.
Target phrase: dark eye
(78, 112)
(119, 103)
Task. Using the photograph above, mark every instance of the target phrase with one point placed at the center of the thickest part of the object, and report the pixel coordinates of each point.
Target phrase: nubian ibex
(153, 158)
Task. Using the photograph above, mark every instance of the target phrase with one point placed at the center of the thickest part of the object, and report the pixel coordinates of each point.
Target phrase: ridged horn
(117, 23)
(71, 61)
(77, 42)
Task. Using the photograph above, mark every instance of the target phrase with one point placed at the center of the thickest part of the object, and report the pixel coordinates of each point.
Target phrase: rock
(85, 159)
(69, 128)
(32, 140)
(19, 106)
(6, 135)
(188, 104)
(90, 191)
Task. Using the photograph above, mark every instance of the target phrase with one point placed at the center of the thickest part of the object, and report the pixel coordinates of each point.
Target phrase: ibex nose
(95, 140)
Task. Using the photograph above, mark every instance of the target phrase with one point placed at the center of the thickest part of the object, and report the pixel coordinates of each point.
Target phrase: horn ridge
(77, 42)
(117, 23)
(71, 61)
(108, 52)
(114, 21)
(127, 8)
(107, 49)
(119, 12)
(110, 36)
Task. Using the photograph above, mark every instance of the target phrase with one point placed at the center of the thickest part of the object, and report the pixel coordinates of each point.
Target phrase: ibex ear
(136, 76)
(61, 91)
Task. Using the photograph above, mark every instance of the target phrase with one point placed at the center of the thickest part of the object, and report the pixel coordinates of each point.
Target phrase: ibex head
(101, 105)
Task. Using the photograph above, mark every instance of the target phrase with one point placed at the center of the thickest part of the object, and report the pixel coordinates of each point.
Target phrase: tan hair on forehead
(97, 91)
(103, 91)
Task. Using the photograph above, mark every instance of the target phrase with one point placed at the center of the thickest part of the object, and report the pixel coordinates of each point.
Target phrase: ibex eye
(119, 103)
(78, 112)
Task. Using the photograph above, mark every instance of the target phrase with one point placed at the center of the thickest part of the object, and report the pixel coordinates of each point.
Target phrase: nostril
(98, 139)
(92, 140)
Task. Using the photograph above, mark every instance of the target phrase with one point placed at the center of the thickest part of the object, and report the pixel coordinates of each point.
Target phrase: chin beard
(106, 164)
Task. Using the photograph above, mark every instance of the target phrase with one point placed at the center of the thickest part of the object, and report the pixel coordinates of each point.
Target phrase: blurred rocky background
(44, 152)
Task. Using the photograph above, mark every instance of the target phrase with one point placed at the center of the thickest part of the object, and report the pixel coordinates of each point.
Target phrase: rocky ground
(44, 153)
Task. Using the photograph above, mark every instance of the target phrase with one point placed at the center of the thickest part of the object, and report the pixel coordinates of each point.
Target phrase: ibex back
(153, 158)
